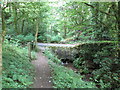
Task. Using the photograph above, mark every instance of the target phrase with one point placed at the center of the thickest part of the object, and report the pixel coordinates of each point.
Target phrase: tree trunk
(22, 29)
(3, 25)
(65, 31)
(15, 18)
(36, 34)
(65, 27)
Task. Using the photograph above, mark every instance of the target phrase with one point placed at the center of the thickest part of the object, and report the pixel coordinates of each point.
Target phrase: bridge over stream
(43, 76)
(56, 45)
(64, 51)
(69, 51)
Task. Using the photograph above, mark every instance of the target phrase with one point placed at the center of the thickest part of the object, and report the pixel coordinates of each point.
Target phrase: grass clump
(17, 71)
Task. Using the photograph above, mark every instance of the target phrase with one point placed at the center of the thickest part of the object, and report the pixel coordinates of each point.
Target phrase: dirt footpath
(42, 77)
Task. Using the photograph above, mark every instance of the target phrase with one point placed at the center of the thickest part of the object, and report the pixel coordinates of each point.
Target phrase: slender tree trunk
(22, 29)
(36, 34)
(15, 18)
(3, 26)
(65, 28)
(65, 31)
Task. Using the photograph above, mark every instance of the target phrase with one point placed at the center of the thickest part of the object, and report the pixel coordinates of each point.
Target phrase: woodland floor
(42, 77)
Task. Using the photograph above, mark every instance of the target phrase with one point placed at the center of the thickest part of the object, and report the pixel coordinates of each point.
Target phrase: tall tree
(3, 21)
(37, 28)
(15, 17)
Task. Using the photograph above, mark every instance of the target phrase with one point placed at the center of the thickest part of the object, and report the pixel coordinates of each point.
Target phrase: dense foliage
(99, 60)
(64, 22)
(56, 21)
(64, 77)
(17, 71)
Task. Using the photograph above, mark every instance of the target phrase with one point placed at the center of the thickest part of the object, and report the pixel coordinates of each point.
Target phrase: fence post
(29, 50)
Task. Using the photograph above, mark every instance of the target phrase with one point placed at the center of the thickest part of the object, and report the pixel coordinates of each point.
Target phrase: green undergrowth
(100, 59)
(64, 77)
(51, 56)
(17, 71)
(67, 78)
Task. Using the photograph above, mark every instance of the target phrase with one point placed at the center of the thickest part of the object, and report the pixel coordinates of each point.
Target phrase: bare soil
(42, 77)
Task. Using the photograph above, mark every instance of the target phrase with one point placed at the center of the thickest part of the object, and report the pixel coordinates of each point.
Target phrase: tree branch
(98, 9)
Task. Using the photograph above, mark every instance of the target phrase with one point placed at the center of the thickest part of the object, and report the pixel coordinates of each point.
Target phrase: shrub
(63, 77)
(42, 38)
(56, 38)
(20, 38)
(17, 68)
(101, 58)
(29, 38)
(52, 56)
(23, 39)
(66, 78)
(77, 62)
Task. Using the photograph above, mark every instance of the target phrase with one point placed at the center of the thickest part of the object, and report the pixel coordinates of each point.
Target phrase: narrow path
(42, 76)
